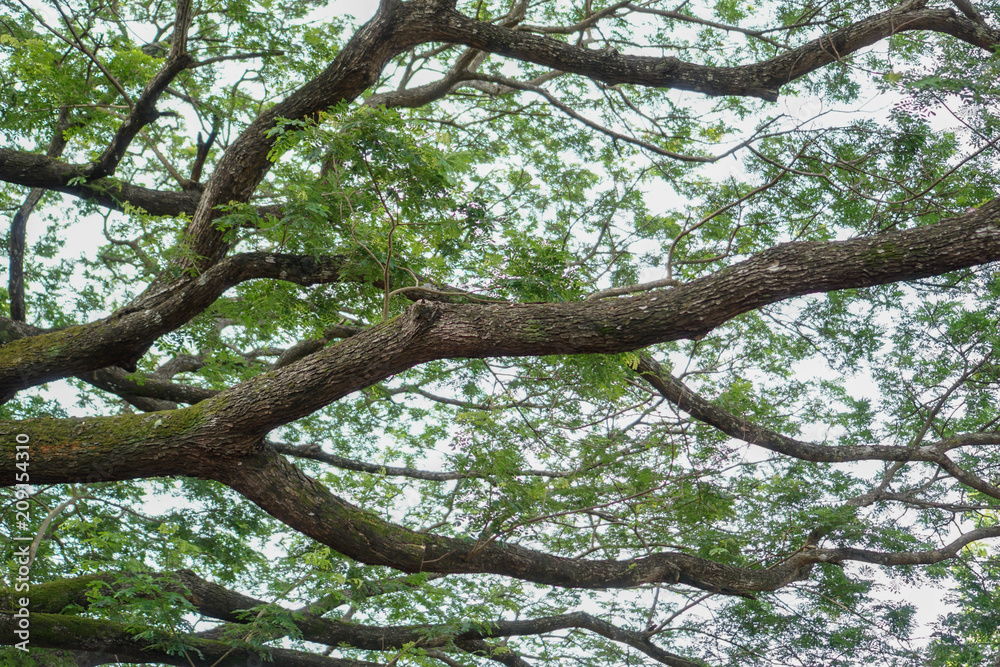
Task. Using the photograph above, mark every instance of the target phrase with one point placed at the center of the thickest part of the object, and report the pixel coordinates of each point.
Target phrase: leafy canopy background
(457, 179)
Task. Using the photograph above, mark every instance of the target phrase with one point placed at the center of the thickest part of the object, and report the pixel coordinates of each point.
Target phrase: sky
(359, 9)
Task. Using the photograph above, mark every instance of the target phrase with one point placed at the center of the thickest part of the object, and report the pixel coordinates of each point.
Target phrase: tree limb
(763, 79)
(108, 642)
(743, 429)
(220, 603)
(143, 111)
(19, 225)
(139, 327)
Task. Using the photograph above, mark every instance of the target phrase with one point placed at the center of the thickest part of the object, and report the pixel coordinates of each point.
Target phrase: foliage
(490, 187)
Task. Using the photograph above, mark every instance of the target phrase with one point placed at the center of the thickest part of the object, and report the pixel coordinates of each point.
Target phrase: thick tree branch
(763, 79)
(151, 393)
(440, 330)
(361, 536)
(194, 441)
(437, 331)
(111, 643)
(39, 171)
(15, 250)
(197, 440)
(220, 603)
(124, 336)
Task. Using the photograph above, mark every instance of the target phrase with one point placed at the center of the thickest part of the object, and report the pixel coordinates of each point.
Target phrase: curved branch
(15, 250)
(359, 535)
(418, 96)
(117, 381)
(743, 429)
(441, 330)
(143, 111)
(119, 340)
(199, 441)
(431, 331)
(220, 603)
(929, 557)
(397, 27)
(19, 225)
(763, 79)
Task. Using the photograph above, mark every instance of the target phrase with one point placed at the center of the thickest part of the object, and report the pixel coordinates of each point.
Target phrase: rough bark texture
(436, 331)
(763, 79)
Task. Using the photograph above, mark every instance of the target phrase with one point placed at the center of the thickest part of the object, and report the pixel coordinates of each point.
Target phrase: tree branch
(108, 642)
(19, 225)
(440, 330)
(39, 171)
(431, 331)
(742, 429)
(119, 340)
(143, 111)
(218, 602)
(763, 79)
(200, 441)
(314, 452)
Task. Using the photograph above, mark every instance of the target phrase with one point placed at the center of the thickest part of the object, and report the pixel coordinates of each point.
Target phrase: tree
(530, 333)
